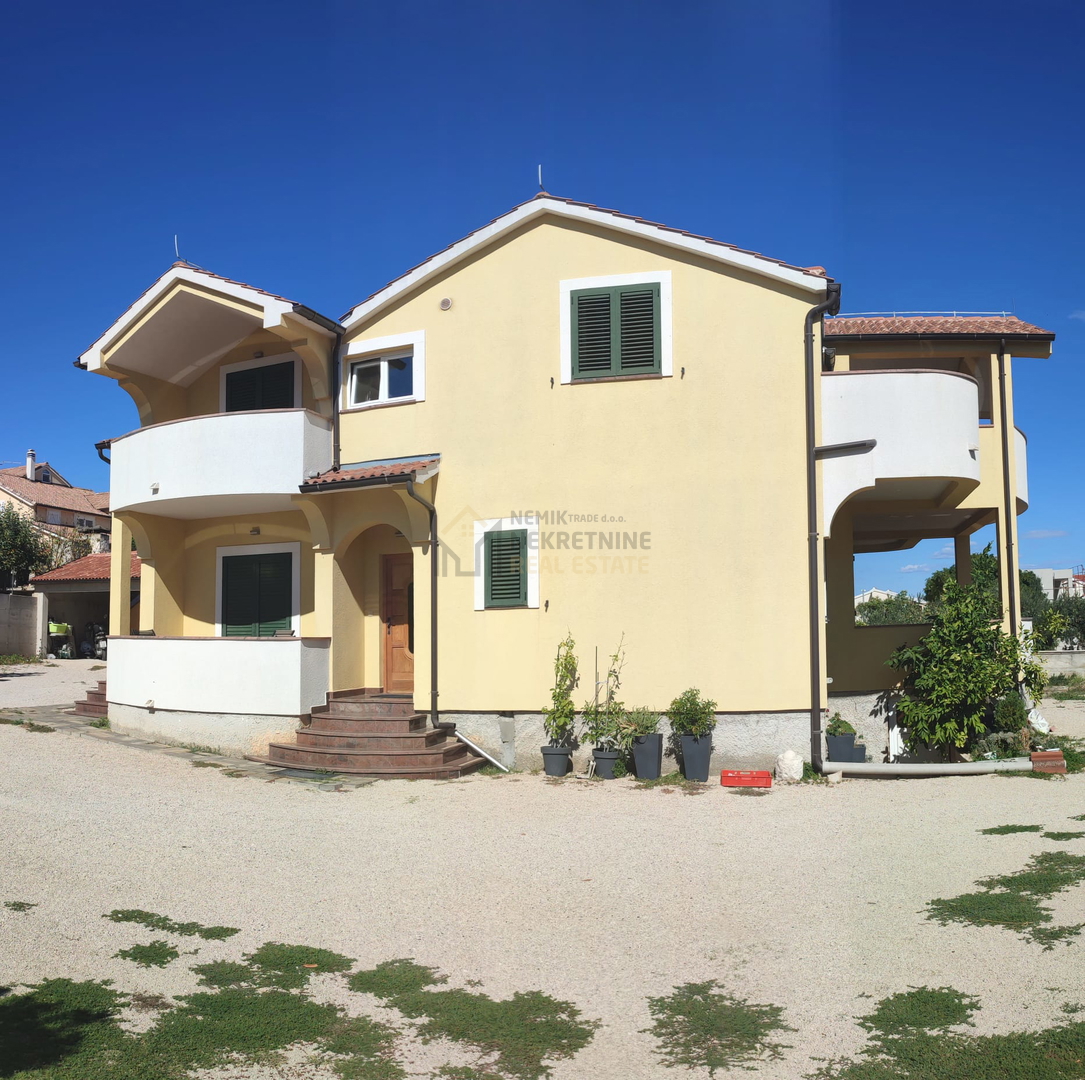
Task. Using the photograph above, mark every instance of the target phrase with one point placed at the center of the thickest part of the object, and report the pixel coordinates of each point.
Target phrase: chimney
(31, 461)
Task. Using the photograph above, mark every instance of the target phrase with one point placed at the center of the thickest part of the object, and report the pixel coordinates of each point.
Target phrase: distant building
(1059, 584)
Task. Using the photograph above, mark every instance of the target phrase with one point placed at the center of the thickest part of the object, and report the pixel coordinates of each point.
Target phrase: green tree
(955, 673)
(22, 550)
(1031, 598)
(901, 609)
(1064, 621)
(1034, 601)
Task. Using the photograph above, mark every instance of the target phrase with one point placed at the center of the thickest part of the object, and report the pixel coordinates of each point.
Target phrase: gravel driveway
(52, 682)
(810, 897)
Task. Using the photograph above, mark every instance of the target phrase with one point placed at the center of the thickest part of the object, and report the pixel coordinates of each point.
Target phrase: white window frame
(53, 517)
(662, 278)
(391, 347)
(262, 549)
(261, 361)
(485, 525)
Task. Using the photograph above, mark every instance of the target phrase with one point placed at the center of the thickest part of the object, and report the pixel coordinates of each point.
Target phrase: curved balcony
(1020, 450)
(926, 427)
(227, 463)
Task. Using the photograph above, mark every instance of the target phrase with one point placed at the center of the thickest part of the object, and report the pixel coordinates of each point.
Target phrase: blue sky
(927, 154)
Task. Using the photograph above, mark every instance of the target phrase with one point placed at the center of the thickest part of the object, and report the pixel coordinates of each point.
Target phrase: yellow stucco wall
(709, 464)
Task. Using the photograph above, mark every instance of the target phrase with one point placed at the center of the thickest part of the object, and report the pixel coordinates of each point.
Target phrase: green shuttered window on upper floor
(616, 331)
(256, 594)
(506, 568)
(270, 386)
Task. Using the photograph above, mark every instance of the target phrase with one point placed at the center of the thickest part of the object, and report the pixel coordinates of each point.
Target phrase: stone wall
(21, 623)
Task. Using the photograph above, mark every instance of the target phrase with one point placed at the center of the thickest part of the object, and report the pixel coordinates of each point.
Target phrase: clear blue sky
(929, 155)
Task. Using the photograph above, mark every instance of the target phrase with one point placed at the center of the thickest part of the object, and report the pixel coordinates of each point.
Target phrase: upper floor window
(616, 327)
(256, 384)
(84, 522)
(382, 378)
(384, 371)
(52, 517)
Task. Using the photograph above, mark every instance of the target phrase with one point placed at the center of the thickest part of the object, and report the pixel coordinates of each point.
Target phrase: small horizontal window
(381, 378)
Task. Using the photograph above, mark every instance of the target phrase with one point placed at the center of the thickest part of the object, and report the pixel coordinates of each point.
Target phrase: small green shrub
(1011, 714)
(157, 954)
(838, 726)
(690, 714)
(559, 720)
(101, 722)
(603, 719)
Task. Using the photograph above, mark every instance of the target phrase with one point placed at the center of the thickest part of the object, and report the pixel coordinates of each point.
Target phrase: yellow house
(610, 427)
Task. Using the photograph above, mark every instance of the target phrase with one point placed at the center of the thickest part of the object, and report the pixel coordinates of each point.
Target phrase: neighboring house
(58, 508)
(613, 421)
(875, 594)
(78, 593)
(1061, 584)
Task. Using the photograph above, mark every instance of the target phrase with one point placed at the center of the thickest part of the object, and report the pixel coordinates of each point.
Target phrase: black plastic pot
(604, 762)
(648, 756)
(841, 747)
(557, 760)
(696, 756)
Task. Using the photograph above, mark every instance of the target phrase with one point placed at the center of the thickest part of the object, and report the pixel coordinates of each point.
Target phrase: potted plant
(840, 738)
(559, 720)
(640, 728)
(603, 720)
(692, 720)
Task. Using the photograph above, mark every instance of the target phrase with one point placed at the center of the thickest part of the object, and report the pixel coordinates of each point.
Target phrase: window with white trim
(388, 377)
(52, 517)
(84, 522)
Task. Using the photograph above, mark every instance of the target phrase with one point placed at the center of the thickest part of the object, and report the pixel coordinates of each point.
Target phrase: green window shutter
(268, 387)
(506, 568)
(256, 594)
(616, 331)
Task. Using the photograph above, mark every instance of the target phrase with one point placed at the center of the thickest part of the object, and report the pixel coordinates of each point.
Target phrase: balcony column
(120, 579)
(962, 558)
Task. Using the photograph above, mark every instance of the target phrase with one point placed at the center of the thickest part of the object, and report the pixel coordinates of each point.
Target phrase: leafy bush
(641, 721)
(690, 714)
(603, 719)
(559, 721)
(837, 726)
(892, 611)
(954, 673)
(1063, 622)
(1011, 714)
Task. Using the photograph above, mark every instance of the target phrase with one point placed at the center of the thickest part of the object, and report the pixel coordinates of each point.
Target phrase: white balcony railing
(250, 676)
(221, 464)
(926, 424)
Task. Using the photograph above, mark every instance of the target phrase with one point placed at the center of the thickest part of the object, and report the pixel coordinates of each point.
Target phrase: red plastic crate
(745, 778)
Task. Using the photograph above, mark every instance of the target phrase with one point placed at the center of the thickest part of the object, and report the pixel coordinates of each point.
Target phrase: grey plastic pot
(557, 760)
(858, 752)
(605, 761)
(841, 747)
(648, 756)
(696, 756)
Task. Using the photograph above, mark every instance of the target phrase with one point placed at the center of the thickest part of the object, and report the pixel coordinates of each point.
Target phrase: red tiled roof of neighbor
(813, 271)
(373, 470)
(88, 568)
(82, 500)
(932, 326)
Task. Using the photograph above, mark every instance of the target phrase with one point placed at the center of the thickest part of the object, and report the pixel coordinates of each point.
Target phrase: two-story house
(609, 427)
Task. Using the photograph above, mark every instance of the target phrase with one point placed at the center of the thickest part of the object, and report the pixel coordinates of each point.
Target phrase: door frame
(386, 564)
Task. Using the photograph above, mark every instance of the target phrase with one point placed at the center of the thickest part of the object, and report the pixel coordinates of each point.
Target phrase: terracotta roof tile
(81, 500)
(88, 568)
(373, 470)
(932, 326)
(813, 271)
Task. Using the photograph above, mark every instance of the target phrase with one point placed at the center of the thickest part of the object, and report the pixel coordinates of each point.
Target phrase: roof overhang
(189, 318)
(377, 473)
(545, 205)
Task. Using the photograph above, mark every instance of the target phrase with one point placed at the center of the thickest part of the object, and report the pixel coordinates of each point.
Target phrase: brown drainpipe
(433, 574)
(1007, 493)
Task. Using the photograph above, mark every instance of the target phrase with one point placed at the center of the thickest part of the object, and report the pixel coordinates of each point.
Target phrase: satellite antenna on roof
(541, 188)
(176, 253)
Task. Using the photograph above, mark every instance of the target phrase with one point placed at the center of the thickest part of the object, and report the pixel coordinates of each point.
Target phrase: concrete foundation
(233, 734)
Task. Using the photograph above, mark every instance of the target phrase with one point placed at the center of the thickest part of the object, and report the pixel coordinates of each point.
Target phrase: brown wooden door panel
(397, 615)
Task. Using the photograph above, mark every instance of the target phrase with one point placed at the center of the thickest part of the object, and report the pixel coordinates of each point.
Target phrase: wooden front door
(397, 616)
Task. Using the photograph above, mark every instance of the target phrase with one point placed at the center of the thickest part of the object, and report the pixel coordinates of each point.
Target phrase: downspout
(433, 573)
(101, 447)
(830, 305)
(336, 391)
(1007, 493)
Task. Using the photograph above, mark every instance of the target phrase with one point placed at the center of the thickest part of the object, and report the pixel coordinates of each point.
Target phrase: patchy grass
(157, 954)
(29, 725)
(1012, 901)
(1006, 830)
(11, 659)
(910, 1038)
(206, 765)
(674, 781)
(491, 770)
(1069, 687)
(235, 774)
(161, 922)
(96, 667)
(514, 1038)
(14, 721)
(198, 748)
(19, 905)
(810, 775)
(286, 967)
(1063, 835)
(100, 722)
(701, 1026)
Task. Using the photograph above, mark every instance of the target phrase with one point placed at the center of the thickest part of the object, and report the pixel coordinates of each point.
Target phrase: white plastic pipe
(934, 768)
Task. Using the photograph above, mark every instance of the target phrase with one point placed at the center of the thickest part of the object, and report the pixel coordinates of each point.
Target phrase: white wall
(22, 624)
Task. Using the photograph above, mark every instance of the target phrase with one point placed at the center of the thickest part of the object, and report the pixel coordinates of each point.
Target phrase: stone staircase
(94, 704)
(370, 733)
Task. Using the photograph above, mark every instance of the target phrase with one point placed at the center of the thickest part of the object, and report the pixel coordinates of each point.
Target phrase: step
(460, 767)
(101, 686)
(443, 755)
(90, 708)
(368, 707)
(96, 696)
(366, 741)
(365, 725)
